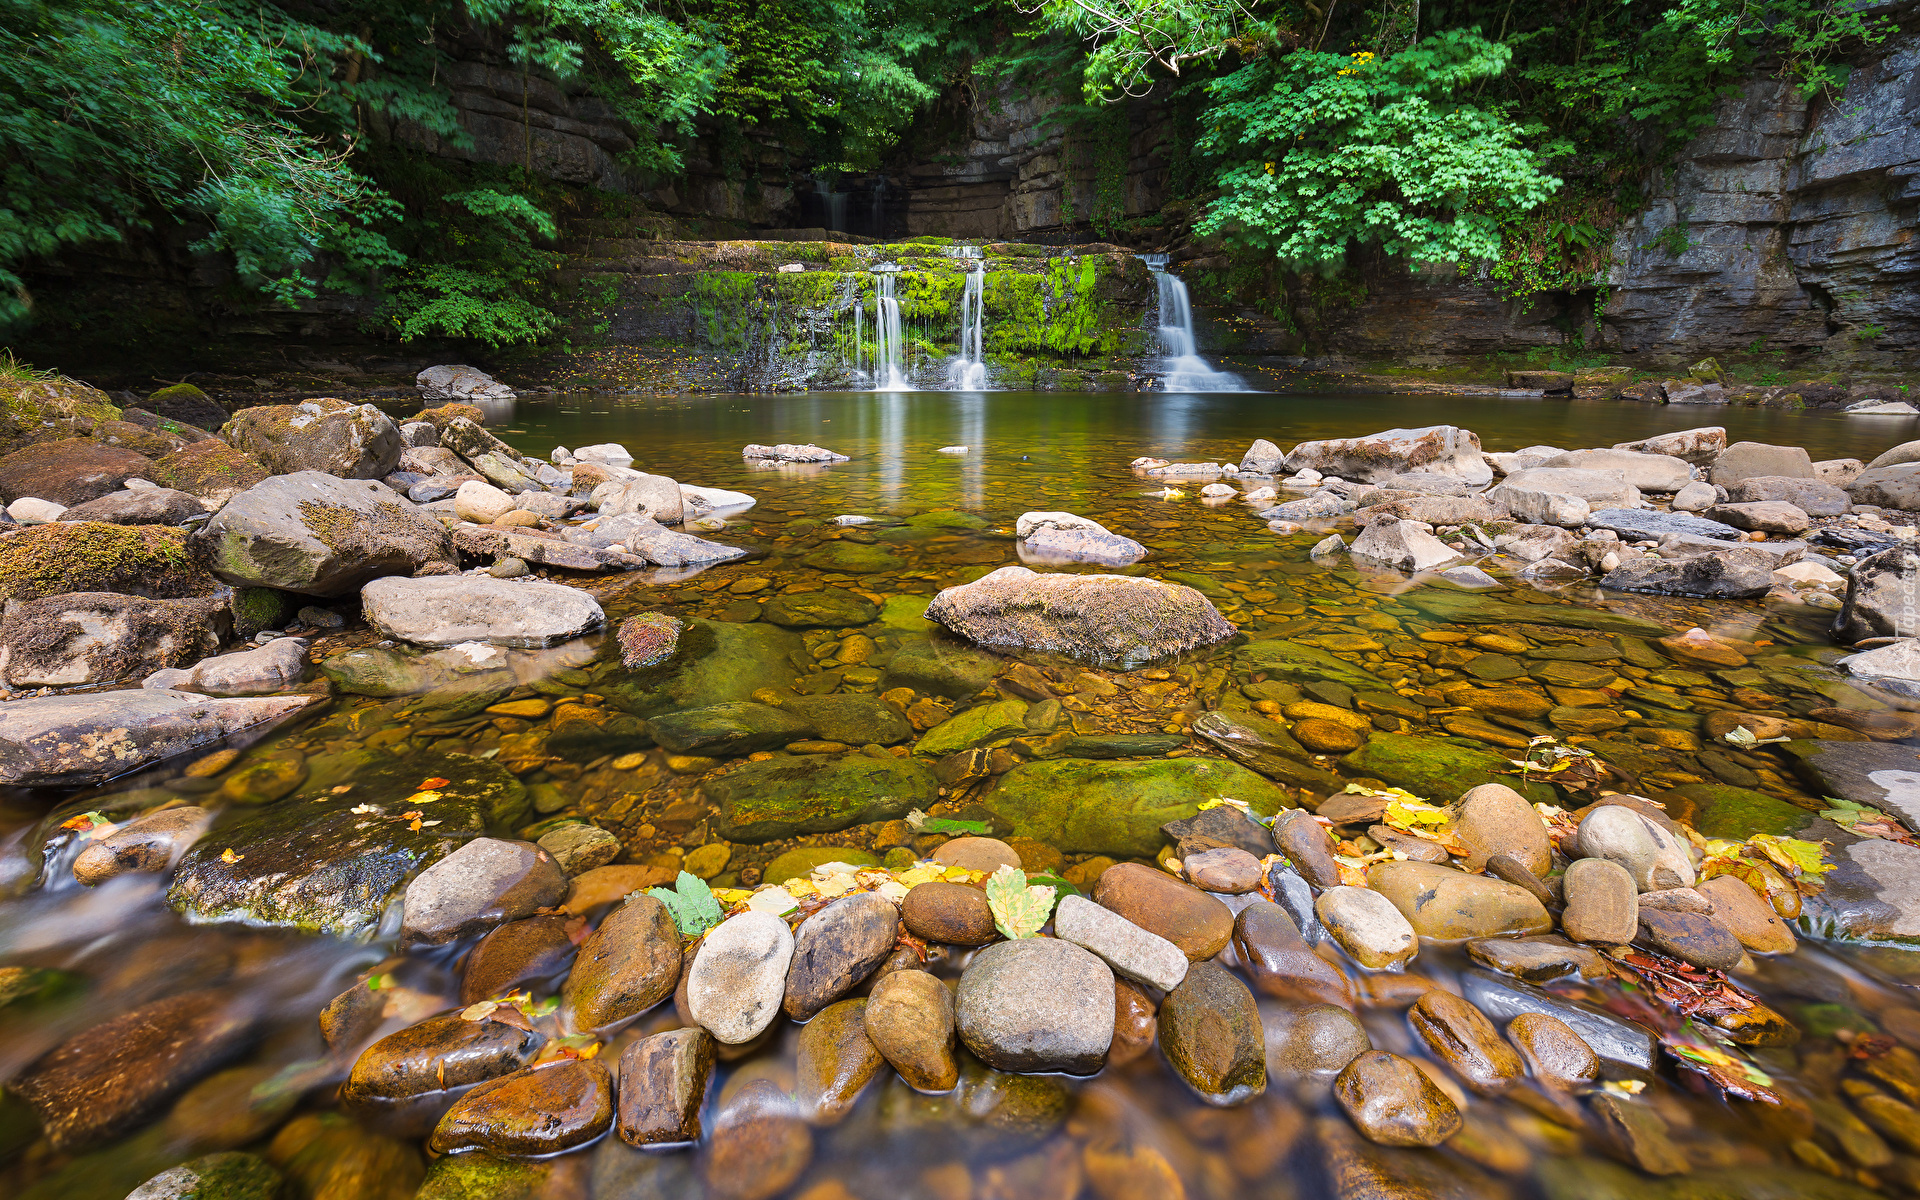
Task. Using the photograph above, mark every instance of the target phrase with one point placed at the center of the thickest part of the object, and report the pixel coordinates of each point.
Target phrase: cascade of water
(967, 371)
(859, 336)
(1182, 369)
(889, 339)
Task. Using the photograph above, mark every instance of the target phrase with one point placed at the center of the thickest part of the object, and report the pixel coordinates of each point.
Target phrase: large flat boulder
(1599, 488)
(352, 441)
(1697, 446)
(69, 472)
(1648, 472)
(1084, 806)
(99, 637)
(1896, 486)
(320, 535)
(1815, 497)
(1095, 618)
(67, 741)
(1437, 449)
(1738, 573)
(1744, 460)
(445, 610)
(144, 506)
(784, 797)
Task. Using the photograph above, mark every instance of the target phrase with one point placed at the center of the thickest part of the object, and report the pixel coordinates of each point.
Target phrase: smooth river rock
(739, 975)
(663, 1082)
(910, 1019)
(1553, 1052)
(1691, 937)
(1224, 870)
(834, 1058)
(1602, 903)
(1116, 619)
(445, 610)
(1367, 926)
(1655, 858)
(1394, 1103)
(1197, 923)
(1307, 846)
(70, 740)
(1748, 917)
(483, 883)
(954, 913)
(539, 1111)
(1130, 950)
(1211, 1033)
(1317, 1039)
(1461, 1036)
(1448, 905)
(836, 949)
(1280, 961)
(1036, 1004)
(1494, 819)
(438, 1054)
(760, 1145)
(625, 967)
(150, 843)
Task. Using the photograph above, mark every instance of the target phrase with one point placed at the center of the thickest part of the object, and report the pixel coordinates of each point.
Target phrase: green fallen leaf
(1018, 910)
(690, 904)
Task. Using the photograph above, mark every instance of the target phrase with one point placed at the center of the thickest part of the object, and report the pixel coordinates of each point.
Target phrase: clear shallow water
(90, 956)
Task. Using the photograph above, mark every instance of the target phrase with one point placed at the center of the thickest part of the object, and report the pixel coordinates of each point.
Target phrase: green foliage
(1129, 41)
(1867, 333)
(1673, 239)
(1323, 150)
(691, 905)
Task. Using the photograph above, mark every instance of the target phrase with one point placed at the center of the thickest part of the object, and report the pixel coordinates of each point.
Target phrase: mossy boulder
(741, 727)
(853, 719)
(319, 535)
(226, 1176)
(211, 472)
(98, 637)
(91, 556)
(484, 1177)
(380, 671)
(352, 441)
(828, 608)
(942, 667)
(945, 519)
(852, 558)
(908, 613)
(1437, 769)
(714, 662)
(186, 404)
(1281, 659)
(1117, 808)
(47, 410)
(69, 472)
(316, 864)
(1719, 810)
(784, 797)
(976, 726)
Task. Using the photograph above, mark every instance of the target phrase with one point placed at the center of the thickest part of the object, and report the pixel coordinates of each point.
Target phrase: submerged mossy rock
(211, 472)
(941, 666)
(1117, 808)
(92, 556)
(1472, 609)
(1438, 769)
(828, 608)
(782, 797)
(481, 1176)
(856, 720)
(799, 862)
(976, 726)
(852, 558)
(316, 864)
(715, 662)
(1281, 659)
(47, 410)
(1718, 810)
(742, 727)
(225, 1176)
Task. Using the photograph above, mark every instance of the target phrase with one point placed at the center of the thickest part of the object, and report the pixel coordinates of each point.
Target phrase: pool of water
(1553, 663)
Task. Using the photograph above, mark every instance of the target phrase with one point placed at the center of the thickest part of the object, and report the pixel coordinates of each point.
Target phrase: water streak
(890, 343)
(1182, 369)
(967, 371)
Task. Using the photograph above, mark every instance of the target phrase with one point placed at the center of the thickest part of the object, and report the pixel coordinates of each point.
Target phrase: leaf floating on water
(1018, 910)
(691, 904)
(341, 790)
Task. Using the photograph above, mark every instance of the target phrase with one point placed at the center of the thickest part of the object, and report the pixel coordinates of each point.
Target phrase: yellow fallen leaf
(228, 856)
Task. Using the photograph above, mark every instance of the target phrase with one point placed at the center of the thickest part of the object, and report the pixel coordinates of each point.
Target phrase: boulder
(1905, 452)
(1880, 592)
(789, 452)
(1263, 458)
(56, 560)
(1050, 544)
(1697, 446)
(314, 533)
(352, 441)
(1639, 524)
(99, 637)
(1426, 509)
(211, 472)
(667, 548)
(1036, 1004)
(149, 843)
(460, 383)
(448, 609)
(1697, 496)
(1765, 516)
(67, 741)
(1117, 808)
(140, 506)
(278, 666)
(1434, 449)
(1600, 489)
(1738, 573)
(1648, 472)
(607, 454)
(783, 797)
(1815, 497)
(484, 883)
(481, 502)
(655, 496)
(1540, 506)
(69, 472)
(1896, 486)
(1838, 471)
(1744, 460)
(1402, 545)
(1095, 618)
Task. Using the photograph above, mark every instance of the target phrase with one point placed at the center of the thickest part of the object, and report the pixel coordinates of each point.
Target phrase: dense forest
(1509, 136)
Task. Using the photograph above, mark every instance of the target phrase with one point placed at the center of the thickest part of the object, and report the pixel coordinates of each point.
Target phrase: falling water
(890, 343)
(967, 372)
(1182, 369)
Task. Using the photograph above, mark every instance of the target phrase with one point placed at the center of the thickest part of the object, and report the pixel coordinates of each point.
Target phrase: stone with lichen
(648, 639)
(320, 535)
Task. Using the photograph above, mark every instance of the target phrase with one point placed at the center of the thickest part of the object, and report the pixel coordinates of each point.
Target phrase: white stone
(1031, 521)
(739, 976)
(607, 454)
(1697, 496)
(792, 268)
(1367, 926)
(1259, 495)
(1878, 408)
(1542, 507)
(445, 610)
(1049, 544)
(1219, 489)
(31, 510)
(951, 450)
(1698, 446)
(703, 500)
(1600, 489)
(655, 496)
(1403, 545)
(1333, 544)
(275, 667)
(849, 519)
(1439, 449)
(1130, 950)
(137, 484)
(1262, 458)
(484, 882)
(460, 383)
(1808, 573)
(1838, 471)
(1655, 858)
(789, 452)
(1894, 668)
(481, 503)
(1648, 472)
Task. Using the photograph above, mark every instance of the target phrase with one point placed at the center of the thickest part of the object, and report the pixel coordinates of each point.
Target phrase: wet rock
(1428, 766)
(1750, 919)
(352, 441)
(1655, 858)
(1367, 925)
(1738, 573)
(1402, 545)
(663, 1083)
(450, 609)
(481, 884)
(70, 740)
(739, 976)
(1037, 1004)
(106, 1080)
(1307, 846)
(1211, 1033)
(1431, 449)
(1461, 1036)
(1876, 585)
(1097, 618)
(760, 1146)
(1050, 544)
(941, 668)
(627, 966)
(1266, 747)
(1417, 849)
(1281, 962)
(828, 608)
(1136, 1023)
(69, 472)
(1494, 819)
(1311, 1040)
(1628, 1047)
(761, 801)
(227, 1176)
(1690, 937)
(517, 954)
(836, 948)
(1537, 959)
(1637, 1134)
(1442, 903)
(439, 1054)
(1602, 903)
(150, 843)
(983, 854)
(1197, 924)
(948, 912)
(321, 536)
(579, 848)
(851, 719)
(834, 1059)
(724, 729)
(540, 1111)
(1392, 1102)
(330, 1157)
(975, 727)
(1129, 949)
(1512, 870)
(910, 1021)
(280, 665)
(1554, 1053)
(1227, 870)
(1117, 808)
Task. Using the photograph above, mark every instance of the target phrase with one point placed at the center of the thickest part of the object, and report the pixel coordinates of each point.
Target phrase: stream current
(72, 958)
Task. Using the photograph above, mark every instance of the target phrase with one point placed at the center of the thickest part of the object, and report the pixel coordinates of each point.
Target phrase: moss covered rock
(228, 1176)
(47, 410)
(714, 662)
(141, 439)
(828, 608)
(853, 719)
(211, 472)
(353, 441)
(1437, 769)
(1117, 808)
(941, 666)
(975, 727)
(1281, 659)
(69, 472)
(1718, 810)
(97, 637)
(799, 862)
(186, 404)
(91, 556)
(852, 558)
(783, 797)
(319, 535)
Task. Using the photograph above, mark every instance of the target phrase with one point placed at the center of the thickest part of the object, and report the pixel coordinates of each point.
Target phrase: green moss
(1059, 311)
(92, 556)
(1723, 811)
(1117, 808)
(256, 608)
(1437, 769)
(179, 391)
(782, 797)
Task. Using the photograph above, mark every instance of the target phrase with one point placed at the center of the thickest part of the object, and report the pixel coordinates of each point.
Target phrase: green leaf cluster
(691, 904)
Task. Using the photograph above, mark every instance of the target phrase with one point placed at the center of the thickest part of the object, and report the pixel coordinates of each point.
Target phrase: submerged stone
(1117, 808)
(1437, 769)
(778, 798)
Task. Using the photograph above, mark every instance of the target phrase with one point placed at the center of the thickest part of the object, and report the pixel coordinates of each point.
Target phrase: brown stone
(531, 1113)
(910, 1022)
(1136, 1023)
(1537, 960)
(1197, 923)
(626, 967)
(1494, 819)
(1227, 870)
(836, 948)
(1461, 1036)
(983, 854)
(1305, 844)
(151, 843)
(1749, 918)
(663, 1082)
(608, 885)
(1211, 1033)
(1449, 905)
(1280, 961)
(834, 1060)
(1636, 1133)
(438, 1054)
(760, 1145)
(1511, 870)
(954, 913)
(1392, 1102)
(1602, 903)
(1326, 737)
(1554, 1053)
(69, 472)
(517, 954)
(1418, 849)
(328, 1156)
(1691, 937)
(1319, 1039)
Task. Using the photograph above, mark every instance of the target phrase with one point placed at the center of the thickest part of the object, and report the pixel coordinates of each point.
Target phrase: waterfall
(889, 340)
(1182, 369)
(967, 372)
